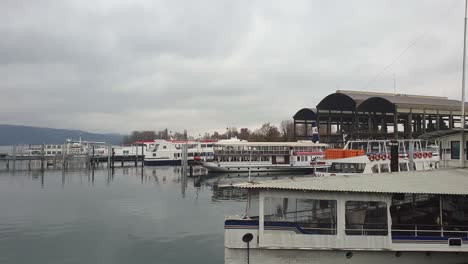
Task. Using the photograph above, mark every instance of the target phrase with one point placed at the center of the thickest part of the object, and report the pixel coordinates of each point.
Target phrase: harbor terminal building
(346, 115)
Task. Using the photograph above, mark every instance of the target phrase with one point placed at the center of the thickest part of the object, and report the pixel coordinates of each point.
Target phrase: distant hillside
(11, 135)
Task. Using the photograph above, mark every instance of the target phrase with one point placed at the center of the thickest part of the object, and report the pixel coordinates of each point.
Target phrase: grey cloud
(204, 65)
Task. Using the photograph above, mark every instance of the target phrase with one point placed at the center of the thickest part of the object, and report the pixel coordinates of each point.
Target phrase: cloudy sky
(121, 65)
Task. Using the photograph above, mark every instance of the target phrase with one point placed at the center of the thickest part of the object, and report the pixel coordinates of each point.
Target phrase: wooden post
(136, 156)
(42, 157)
(112, 159)
(93, 159)
(109, 153)
(142, 158)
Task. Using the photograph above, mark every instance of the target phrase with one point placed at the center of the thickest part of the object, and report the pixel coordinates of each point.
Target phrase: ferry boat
(403, 217)
(373, 156)
(243, 156)
(169, 152)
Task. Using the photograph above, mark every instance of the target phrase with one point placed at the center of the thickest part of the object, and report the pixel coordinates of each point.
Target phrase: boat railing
(366, 229)
(248, 152)
(430, 230)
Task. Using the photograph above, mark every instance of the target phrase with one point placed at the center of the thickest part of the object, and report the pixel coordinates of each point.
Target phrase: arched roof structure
(376, 104)
(305, 114)
(337, 101)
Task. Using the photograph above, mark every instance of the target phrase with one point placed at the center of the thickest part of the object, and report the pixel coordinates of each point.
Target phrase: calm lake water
(154, 216)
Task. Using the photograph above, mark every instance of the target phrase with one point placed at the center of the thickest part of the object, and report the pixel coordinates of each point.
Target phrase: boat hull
(163, 162)
(238, 256)
(235, 168)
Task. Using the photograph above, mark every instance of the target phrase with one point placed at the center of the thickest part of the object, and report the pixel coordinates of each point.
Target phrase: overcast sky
(118, 66)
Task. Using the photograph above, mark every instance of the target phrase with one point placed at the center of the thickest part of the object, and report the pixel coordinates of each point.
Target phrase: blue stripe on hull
(163, 162)
(288, 226)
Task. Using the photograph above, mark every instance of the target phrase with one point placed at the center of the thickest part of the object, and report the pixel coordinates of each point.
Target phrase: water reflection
(165, 175)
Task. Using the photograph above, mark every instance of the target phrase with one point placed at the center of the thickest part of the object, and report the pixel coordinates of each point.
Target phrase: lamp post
(462, 143)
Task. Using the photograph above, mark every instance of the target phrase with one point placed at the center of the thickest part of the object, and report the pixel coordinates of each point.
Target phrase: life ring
(415, 155)
(333, 174)
(377, 157)
(429, 155)
(389, 157)
(371, 158)
(425, 155)
(383, 157)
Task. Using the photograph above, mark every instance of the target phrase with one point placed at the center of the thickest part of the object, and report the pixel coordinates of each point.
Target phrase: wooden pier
(43, 162)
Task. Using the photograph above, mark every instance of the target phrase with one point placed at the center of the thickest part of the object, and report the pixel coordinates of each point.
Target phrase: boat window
(164, 147)
(455, 150)
(384, 167)
(298, 158)
(310, 216)
(154, 154)
(429, 215)
(347, 167)
(375, 168)
(403, 166)
(365, 218)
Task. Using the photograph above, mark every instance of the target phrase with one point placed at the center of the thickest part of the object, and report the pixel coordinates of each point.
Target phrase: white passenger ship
(374, 157)
(406, 217)
(169, 152)
(243, 156)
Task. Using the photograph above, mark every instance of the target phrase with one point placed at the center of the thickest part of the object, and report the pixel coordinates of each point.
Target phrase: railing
(367, 229)
(254, 152)
(430, 230)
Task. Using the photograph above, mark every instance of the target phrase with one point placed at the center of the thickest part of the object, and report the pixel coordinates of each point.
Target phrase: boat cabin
(374, 157)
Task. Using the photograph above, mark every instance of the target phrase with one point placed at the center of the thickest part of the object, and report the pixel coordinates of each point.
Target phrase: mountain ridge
(22, 134)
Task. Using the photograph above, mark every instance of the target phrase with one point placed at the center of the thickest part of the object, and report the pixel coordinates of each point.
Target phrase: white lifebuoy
(383, 157)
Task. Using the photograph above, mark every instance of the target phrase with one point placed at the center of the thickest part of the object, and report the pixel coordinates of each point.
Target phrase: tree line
(266, 133)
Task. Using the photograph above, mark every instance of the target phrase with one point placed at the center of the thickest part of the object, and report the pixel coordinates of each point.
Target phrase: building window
(365, 218)
(309, 216)
(455, 149)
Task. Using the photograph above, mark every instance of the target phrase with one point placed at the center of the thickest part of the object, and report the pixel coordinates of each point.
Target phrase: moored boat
(169, 152)
(404, 217)
(373, 156)
(243, 156)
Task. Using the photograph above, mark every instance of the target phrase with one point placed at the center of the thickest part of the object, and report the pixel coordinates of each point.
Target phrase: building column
(410, 125)
(424, 122)
(450, 121)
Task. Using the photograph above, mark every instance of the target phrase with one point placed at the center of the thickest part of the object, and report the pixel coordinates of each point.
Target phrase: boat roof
(274, 144)
(444, 181)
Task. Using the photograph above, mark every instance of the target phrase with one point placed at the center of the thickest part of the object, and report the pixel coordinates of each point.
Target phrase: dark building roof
(385, 102)
(305, 114)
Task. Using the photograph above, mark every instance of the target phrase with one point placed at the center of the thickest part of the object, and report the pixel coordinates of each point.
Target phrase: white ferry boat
(404, 217)
(243, 156)
(373, 156)
(169, 152)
